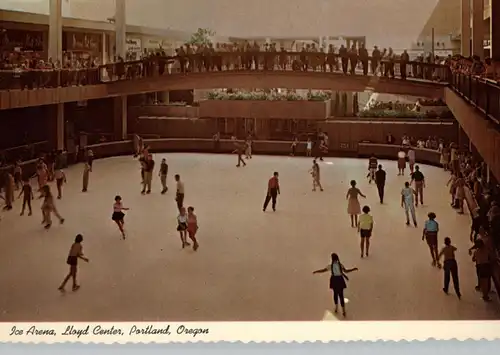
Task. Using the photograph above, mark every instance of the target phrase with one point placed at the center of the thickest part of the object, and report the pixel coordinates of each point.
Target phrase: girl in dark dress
(75, 253)
(337, 280)
(118, 215)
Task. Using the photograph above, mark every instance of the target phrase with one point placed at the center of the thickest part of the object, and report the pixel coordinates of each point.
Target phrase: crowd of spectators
(484, 198)
(30, 69)
(488, 68)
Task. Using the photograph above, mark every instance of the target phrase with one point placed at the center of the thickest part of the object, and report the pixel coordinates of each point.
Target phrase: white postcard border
(193, 332)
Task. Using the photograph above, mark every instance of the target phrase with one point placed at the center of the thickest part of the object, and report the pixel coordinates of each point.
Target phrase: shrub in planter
(390, 114)
(318, 96)
(267, 96)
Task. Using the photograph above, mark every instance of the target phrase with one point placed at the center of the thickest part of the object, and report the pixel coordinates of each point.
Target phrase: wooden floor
(251, 266)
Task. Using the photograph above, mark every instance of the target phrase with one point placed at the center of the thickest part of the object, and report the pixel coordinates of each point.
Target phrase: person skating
(450, 267)
(273, 190)
(337, 281)
(408, 203)
(380, 177)
(430, 234)
(163, 175)
(365, 229)
(75, 253)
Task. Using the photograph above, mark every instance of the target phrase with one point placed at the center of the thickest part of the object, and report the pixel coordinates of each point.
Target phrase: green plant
(263, 96)
(318, 96)
(391, 114)
(202, 37)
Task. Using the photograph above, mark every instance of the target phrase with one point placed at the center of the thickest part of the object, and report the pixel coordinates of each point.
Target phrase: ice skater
(353, 206)
(75, 253)
(192, 227)
(118, 216)
(273, 190)
(408, 203)
(430, 234)
(315, 173)
(372, 168)
(49, 207)
(365, 229)
(450, 267)
(27, 194)
(337, 281)
(163, 175)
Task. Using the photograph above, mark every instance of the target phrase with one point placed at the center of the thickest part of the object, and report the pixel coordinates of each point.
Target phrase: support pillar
(56, 127)
(104, 49)
(55, 30)
(465, 28)
(120, 118)
(495, 29)
(120, 29)
(478, 29)
(349, 104)
(165, 97)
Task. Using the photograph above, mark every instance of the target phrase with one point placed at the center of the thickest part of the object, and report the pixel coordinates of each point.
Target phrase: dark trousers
(272, 195)
(338, 295)
(354, 63)
(179, 198)
(345, 64)
(450, 267)
(26, 202)
(402, 70)
(381, 189)
(240, 160)
(364, 63)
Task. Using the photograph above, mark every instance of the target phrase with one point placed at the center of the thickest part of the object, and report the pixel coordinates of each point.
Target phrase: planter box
(164, 111)
(313, 110)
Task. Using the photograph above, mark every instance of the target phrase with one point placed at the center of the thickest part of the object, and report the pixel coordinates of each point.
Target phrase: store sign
(134, 45)
(154, 43)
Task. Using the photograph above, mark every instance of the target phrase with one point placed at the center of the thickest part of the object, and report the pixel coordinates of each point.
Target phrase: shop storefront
(81, 45)
(153, 45)
(26, 43)
(134, 49)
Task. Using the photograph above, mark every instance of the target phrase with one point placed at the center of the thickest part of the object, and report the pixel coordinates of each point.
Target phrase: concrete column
(55, 30)
(120, 29)
(465, 27)
(495, 29)
(478, 29)
(56, 126)
(60, 127)
(165, 97)
(349, 104)
(104, 49)
(120, 118)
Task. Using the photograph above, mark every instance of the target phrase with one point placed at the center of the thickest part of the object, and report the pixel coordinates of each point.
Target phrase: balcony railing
(22, 79)
(482, 93)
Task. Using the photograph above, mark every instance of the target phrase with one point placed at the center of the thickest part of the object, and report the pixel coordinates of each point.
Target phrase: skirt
(444, 159)
(72, 260)
(353, 206)
(182, 227)
(337, 283)
(118, 216)
(431, 238)
(401, 163)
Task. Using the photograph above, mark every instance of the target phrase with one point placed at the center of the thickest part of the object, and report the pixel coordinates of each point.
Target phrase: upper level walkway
(475, 103)
(247, 70)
